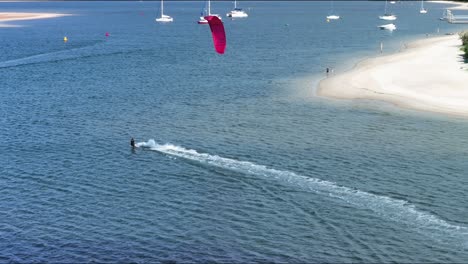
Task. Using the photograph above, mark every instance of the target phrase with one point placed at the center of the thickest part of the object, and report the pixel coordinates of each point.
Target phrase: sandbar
(429, 75)
(14, 16)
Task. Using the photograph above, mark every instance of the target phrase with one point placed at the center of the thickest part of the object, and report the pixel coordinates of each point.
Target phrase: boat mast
(209, 8)
(235, 4)
(162, 8)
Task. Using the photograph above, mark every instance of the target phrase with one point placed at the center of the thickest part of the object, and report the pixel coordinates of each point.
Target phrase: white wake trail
(387, 207)
(93, 50)
(48, 57)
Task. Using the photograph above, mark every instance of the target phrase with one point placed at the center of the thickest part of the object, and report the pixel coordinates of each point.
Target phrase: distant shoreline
(15, 16)
(459, 5)
(429, 75)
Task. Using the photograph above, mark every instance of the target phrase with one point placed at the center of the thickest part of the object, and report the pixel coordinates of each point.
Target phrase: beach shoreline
(16, 16)
(429, 75)
(458, 5)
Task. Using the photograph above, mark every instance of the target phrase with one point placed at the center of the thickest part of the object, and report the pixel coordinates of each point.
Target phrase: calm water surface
(245, 165)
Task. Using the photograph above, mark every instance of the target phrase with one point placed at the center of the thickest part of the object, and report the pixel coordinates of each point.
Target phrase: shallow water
(246, 165)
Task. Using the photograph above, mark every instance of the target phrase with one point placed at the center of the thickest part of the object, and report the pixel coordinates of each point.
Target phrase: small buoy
(328, 20)
(65, 39)
(107, 34)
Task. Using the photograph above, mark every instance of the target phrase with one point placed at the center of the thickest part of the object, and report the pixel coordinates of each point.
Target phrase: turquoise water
(238, 161)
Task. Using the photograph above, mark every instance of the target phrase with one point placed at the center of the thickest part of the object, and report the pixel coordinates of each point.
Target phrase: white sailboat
(237, 12)
(202, 19)
(164, 18)
(390, 27)
(445, 15)
(387, 16)
(332, 15)
(422, 10)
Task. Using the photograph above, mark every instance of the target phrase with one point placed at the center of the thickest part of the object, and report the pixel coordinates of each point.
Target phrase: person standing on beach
(328, 71)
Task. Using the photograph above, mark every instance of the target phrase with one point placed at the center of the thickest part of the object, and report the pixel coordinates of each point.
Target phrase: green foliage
(464, 38)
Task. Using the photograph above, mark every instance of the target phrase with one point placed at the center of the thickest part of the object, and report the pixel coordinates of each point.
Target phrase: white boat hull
(389, 18)
(164, 19)
(390, 27)
(203, 21)
(333, 17)
(236, 14)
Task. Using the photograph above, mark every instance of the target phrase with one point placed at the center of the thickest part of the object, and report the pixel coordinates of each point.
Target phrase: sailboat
(422, 10)
(202, 19)
(163, 17)
(332, 16)
(387, 16)
(445, 15)
(237, 12)
(390, 27)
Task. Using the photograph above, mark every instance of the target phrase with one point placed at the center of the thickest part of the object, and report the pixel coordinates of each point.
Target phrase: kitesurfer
(132, 143)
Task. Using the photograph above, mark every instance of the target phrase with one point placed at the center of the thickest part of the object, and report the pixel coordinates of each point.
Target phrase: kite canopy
(217, 32)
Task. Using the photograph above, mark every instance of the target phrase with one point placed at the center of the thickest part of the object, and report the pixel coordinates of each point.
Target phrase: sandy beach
(429, 75)
(458, 5)
(14, 16)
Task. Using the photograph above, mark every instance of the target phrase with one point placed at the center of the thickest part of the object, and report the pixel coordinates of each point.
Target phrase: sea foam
(383, 206)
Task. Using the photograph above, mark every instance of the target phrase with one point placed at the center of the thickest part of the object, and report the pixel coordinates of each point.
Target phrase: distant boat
(202, 19)
(387, 16)
(237, 12)
(392, 2)
(164, 18)
(422, 10)
(445, 15)
(390, 27)
(332, 15)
